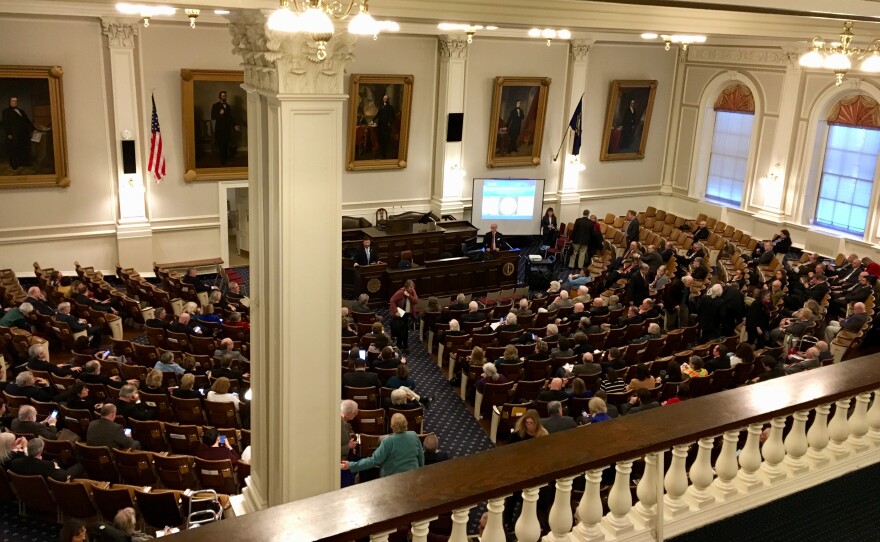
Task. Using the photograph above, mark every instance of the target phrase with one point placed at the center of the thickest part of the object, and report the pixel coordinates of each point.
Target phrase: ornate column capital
(287, 63)
(793, 55)
(453, 47)
(579, 49)
(119, 33)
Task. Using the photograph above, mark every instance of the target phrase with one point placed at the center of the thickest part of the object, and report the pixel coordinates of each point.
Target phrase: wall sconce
(193, 14)
(549, 34)
(772, 187)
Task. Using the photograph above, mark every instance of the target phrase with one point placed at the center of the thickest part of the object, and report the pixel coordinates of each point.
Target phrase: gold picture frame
(379, 111)
(34, 150)
(214, 127)
(516, 128)
(627, 120)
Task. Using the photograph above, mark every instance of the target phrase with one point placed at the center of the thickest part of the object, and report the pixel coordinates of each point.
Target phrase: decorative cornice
(453, 47)
(120, 34)
(287, 63)
(579, 49)
(736, 55)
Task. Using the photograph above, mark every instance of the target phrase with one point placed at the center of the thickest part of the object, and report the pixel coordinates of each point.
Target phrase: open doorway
(234, 220)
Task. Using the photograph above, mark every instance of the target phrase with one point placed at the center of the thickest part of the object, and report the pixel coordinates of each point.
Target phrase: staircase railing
(729, 452)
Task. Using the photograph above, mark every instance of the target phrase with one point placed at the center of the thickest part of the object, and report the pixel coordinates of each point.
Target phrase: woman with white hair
(126, 521)
(11, 448)
(399, 452)
(490, 375)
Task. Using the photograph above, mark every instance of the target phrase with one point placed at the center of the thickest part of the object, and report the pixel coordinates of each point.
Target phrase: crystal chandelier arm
(334, 10)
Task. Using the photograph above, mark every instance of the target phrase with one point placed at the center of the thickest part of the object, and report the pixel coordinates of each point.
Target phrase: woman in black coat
(549, 228)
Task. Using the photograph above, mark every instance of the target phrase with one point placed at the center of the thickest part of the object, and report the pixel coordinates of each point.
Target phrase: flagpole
(564, 131)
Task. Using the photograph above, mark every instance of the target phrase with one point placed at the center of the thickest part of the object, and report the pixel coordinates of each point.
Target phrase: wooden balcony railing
(746, 472)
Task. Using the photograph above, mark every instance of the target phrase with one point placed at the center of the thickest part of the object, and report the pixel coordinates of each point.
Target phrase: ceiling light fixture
(193, 14)
(144, 12)
(315, 18)
(838, 56)
(221, 12)
(549, 34)
(469, 29)
(684, 40)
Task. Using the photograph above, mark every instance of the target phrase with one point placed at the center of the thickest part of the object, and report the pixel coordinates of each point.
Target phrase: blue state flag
(575, 124)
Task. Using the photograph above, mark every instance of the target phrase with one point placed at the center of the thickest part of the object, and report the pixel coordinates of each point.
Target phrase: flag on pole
(157, 159)
(575, 124)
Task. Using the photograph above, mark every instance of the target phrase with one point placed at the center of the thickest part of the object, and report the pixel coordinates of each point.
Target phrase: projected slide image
(508, 200)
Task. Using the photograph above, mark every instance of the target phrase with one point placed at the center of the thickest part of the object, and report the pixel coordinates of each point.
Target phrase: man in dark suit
(493, 241)
(193, 280)
(641, 401)
(556, 421)
(581, 234)
(474, 314)
(859, 292)
(129, 405)
(719, 359)
(362, 305)
(91, 374)
(158, 320)
(514, 126)
(106, 432)
(225, 369)
(27, 386)
(629, 122)
(587, 367)
(224, 128)
(81, 296)
(667, 252)
(696, 251)
(33, 463)
(384, 124)
(26, 422)
(632, 227)
(701, 232)
(361, 378)
(853, 323)
(184, 324)
(38, 361)
(78, 325)
(637, 287)
(19, 129)
(37, 298)
(365, 255)
(554, 391)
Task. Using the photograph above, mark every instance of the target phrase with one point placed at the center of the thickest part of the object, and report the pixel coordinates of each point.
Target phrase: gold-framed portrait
(34, 150)
(627, 120)
(214, 125)
(379, 108)
(516, 129)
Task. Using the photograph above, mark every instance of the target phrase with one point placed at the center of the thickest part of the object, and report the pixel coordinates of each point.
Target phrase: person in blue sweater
(399, 452)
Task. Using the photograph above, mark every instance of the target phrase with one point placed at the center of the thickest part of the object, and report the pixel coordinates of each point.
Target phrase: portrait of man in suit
(627, 120)
(25, 127)
(220, 131)
(225, 128)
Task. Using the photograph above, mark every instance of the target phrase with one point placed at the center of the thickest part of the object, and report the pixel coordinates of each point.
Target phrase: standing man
(629, 124)
(632, 227)
(493, 240)
(384, 122)
(514, 126)
(366, 255)
(224, 128)
(403, 304)
(19, 129)
(581, 234)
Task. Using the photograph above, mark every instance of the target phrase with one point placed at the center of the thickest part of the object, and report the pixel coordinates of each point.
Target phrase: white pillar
(644, 513)
(698, 495)
(674, 118)
(449, 175)
(560, 513)
(773, 451)
(750, 461)
(459, 524)
(796, 444)
(676, 482)
(589, 511)
(295, 128)
(420, 529)
(874, 420)
(858, 423)
(726, 467)
(786, 135)
(570, 174)
(528, 528)
(817, 438)
(838, 430)
(133, 234)
(617, 522)
(494, 531)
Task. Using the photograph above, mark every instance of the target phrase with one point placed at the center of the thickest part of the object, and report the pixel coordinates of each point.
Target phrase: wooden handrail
(395, 501)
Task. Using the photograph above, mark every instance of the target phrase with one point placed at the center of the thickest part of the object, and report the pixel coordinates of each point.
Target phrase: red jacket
(399, 300)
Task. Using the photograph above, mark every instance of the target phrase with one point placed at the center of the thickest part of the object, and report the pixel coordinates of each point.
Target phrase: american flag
(157, 160)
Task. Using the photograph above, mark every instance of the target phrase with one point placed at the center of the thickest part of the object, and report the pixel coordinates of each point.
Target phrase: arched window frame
(706, 131)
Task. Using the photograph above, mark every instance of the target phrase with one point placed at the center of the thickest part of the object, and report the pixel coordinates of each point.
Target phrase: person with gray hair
(106, 432)
(78, 325)
(227, 347)
(491, 376)
(38, 360)
(461, 303)
(583, 295)
(523, 309)
(399, 452)
(33, 464)
(562, 301)
(509, 323)
(712, 311)
(402, 398)
(26, 422)
(126, 521)
(18, 317)
(474, 314)
(33, 388)
(809, 361)
(129, 405)
(349, 411)
(557, 420)
(362, 304)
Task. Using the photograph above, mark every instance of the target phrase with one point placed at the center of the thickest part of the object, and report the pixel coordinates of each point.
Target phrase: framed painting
(34, 150)
(214, 125)
(516, 129)
(379, 108)
(627, 120)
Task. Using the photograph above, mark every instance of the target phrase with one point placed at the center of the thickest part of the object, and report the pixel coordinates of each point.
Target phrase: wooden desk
(451, 276)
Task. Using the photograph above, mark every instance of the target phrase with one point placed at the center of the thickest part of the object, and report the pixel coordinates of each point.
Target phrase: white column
(786, 136)
(295, 128)
(570, 174)
(560, 513)
(528, 528)
(381, 537)
(858, 424)
(796, 444)
(644, 513)
(817, 438)
(773, 451)
(674, 118)
(494, 531)
(676, 482)
(449, 175)
(838, 430)
(133, 234)
(617, 522)
(420, 529)
(589, 511)
(459, 524)
(874, 420)
(698, 495)
(750, 461)
(726, 467)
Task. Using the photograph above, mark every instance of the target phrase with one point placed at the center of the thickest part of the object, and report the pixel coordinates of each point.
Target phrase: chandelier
(315, 18)
(682, 40)
(838, 56)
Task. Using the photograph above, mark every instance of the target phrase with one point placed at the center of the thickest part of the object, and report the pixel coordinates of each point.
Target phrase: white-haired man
(26, 422)
(18, 317)
(473, 314)
(37, 298)
(78, 325)
(348, 410)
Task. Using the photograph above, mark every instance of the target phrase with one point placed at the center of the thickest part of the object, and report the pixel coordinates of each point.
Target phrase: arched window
(849, 166)
(728, 160)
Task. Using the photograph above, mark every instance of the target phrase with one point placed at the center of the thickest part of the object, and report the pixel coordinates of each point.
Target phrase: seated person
(362, 304)
(583, 296)
(227, 346)
(632, 317)
(220, 393)
(38, 360)
(236, 321)
(612, 383)
(493, 241)
(193, 280)
(166, 364)
(212, 449)
(598, 411)
(402, 399)
(91, 374)
(460, 303)
(490, 375)
(26, 422)
(208, 315)
(660, 280)
(578, 389)
(387, 359)
(159, 319)
(129, 405)
(542, 351)
(18, 317)
(402, 378)
(225, 369)
(557, 421)
(720, 359)
(185, 325)
(640, 401)
(561, 301)
(613, 359)
(360, 377)
(83, 296)
(508, 323)
(810, 361)
(554, 391)
(654, 332)
(185, 389)
(33, 463)
(473, 314)
(563, 349)
(106, 432)
(78, 325)
(26, 385)
(432, 447)
(576, 280)
(509, 357)
(642, 379)
(694, 368)
(153, 383)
